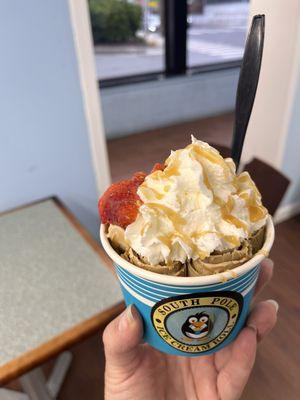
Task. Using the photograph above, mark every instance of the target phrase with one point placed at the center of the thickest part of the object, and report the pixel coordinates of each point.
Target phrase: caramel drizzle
(144, 228)
(206, 181)
(256, 211)
(225, 208)
(172, 169)
(209, 155)
(177, 222)
(228, 238)
(233, 274)
(198, 235)
(148, 191)
(231, 239)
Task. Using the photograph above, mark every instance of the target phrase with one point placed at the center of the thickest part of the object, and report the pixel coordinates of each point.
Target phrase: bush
(114, 21)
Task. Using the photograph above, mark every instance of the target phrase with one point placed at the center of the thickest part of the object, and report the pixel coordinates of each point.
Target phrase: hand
(136, 371)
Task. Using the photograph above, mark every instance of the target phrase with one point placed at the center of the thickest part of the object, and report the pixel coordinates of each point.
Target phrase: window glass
(216, 31)
(127, 36)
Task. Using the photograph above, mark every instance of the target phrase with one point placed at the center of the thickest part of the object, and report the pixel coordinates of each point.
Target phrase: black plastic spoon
(248, 81)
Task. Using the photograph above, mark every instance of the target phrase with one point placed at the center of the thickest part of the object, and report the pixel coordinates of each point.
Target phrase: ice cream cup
(190, 316)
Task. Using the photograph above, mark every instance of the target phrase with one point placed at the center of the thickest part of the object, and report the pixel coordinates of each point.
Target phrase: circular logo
(198, 322)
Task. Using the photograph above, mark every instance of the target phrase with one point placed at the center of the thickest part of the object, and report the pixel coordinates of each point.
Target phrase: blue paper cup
(190, 316)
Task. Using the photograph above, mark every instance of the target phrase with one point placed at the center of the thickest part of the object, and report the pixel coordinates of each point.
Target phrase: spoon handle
(248, 81)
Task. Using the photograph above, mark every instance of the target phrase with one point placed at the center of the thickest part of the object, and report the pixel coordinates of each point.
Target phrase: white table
(55, 289)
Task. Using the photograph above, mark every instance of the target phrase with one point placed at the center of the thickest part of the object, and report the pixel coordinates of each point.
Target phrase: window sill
(160, 75)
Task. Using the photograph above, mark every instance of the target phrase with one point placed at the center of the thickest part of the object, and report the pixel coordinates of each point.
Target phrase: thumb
(121, 340)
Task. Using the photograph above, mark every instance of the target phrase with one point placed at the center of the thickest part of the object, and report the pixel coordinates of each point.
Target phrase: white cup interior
(191, 281)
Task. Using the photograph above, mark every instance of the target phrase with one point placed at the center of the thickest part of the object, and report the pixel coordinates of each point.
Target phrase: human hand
(136, 371)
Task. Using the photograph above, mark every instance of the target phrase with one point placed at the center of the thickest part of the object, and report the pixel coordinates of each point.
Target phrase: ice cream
(194, 213)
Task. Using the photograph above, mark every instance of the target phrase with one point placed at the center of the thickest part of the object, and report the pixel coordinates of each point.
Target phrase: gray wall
(139, 107)
(44, 148)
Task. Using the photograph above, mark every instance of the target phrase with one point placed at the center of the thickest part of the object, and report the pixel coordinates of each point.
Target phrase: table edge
(33, 358)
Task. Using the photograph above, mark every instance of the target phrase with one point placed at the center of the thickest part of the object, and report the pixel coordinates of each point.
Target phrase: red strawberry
(158, 167)
(120, 203)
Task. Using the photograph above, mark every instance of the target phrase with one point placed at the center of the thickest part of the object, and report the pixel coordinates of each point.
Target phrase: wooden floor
(276, 374)
(139, 152)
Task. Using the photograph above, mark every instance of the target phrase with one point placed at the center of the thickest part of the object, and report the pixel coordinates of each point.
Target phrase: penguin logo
(197, 326)
(197, 322)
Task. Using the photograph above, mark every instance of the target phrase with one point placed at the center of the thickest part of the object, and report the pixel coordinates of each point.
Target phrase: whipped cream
(195, 206)
(116, 234)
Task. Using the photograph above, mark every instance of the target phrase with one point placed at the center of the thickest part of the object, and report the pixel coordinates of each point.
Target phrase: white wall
(268, 126)
(44, 126)
(274, 129)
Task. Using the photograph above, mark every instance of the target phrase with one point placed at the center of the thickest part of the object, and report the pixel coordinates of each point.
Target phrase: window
(138, 40)
(216, 31)
(127, 37)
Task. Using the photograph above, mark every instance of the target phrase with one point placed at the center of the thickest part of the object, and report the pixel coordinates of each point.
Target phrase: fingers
(263, 317)
(235, 374)
(265, 275)
(121, 339)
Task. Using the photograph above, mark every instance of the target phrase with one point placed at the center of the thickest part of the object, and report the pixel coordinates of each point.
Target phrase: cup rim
(197, 280)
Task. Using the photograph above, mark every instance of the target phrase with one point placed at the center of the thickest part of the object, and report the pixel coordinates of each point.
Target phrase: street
(216, 36)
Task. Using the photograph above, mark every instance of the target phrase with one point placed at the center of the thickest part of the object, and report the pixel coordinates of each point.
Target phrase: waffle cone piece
(213, 264)
(176, 269)
(229, 259)
(118, 242)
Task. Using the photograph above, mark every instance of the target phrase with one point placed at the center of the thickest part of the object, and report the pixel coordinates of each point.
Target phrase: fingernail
(132, 313)
(269, 263)
(127, 317)
(253, 327)
(275, 304)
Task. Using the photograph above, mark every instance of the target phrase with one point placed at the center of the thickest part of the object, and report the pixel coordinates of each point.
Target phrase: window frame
(175, 55)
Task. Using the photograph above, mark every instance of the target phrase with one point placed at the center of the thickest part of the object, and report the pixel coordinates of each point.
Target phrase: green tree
(114, 21)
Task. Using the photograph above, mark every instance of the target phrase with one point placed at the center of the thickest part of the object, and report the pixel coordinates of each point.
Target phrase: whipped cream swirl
(195, 206)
